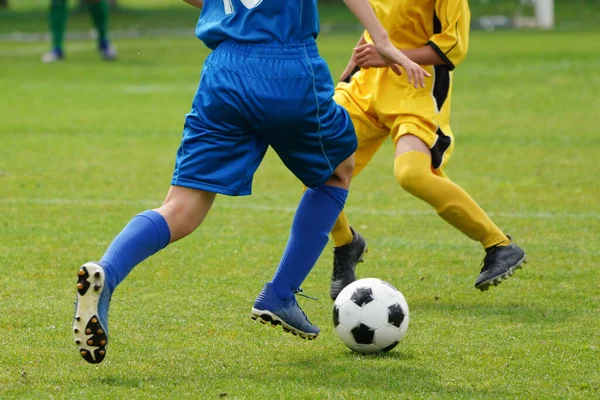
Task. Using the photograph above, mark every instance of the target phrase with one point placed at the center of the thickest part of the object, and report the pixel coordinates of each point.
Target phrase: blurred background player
(264, 84)
(99, 13)
(434, 34)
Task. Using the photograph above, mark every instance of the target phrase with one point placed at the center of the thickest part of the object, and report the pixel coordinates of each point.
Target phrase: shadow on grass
(123, 381)
(386, 375)
(515, 312)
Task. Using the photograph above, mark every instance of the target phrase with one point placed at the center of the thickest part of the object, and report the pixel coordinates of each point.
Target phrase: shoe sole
(495, 281)
(88, 332)
(266, 317)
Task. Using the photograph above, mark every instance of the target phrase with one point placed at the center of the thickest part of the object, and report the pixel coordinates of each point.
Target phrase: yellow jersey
(442, 24)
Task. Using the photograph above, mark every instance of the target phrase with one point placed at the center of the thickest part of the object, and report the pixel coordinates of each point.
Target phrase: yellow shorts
(382, 104)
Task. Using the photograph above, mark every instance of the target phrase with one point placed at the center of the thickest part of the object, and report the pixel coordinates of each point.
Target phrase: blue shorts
(254, 96)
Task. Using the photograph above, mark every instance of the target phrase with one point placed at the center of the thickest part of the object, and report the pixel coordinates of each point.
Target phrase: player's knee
(181, 217)
(343, 174)
(410, 176)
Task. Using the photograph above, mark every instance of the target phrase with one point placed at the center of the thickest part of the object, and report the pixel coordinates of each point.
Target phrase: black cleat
(345, 259)
(500, 263)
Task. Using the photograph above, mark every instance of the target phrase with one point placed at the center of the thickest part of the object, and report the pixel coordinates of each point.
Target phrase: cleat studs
(83, 353)
(88, 331)
(77, 319)
(97, 287)
(76, 330)
(97, 274)
(81, 272)
(102, 342)
(94, 320)
(80, 286)
(77, 342)
(90, 342)
(101, 352)
(99, 331)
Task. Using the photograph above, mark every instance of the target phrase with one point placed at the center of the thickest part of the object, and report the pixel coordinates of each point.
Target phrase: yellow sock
(341, 232)
(452, 203)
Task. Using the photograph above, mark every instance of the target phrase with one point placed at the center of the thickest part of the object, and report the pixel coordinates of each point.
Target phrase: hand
(366, 56)
(394, 57)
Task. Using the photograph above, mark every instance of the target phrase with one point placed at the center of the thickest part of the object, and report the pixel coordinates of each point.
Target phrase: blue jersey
(258, 21)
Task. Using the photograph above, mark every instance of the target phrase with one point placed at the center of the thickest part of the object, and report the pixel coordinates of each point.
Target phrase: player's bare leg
(182, 212)
(413, 171)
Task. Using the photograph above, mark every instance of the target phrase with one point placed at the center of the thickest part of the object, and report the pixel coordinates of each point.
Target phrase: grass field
(25, 16)
(86, 145)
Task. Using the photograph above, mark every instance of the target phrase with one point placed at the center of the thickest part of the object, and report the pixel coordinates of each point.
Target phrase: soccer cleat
(108, 52)
(268, 308)
(500, 263)
(53, 56)
(345, 259)
(90, 325)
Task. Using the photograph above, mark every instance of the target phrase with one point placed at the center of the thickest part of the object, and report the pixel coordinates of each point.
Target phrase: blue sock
(317, 212)
(103, 44)
(143, 236)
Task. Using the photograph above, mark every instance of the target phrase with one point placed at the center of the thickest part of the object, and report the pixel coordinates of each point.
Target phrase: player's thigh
(419, 119)
(369, 132)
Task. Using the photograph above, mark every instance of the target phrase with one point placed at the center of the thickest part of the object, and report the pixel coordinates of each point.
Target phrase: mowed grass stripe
(273, 208)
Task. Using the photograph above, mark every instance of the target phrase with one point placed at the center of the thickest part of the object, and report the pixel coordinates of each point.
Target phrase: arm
(446, 47)
(352, 66)
(365, 56)
(364, 12)
(195, 3)
(424, 56)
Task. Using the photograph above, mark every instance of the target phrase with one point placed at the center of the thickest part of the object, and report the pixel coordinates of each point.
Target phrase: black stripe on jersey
(439, 148)
(437, 25)
(437, 28)
(441, 84)
(449, 64)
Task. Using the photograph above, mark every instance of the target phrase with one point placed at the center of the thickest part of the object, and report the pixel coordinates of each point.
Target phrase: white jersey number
(247, 3)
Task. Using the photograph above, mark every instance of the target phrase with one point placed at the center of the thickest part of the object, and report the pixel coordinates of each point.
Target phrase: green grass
(86, 145)
(148, 15)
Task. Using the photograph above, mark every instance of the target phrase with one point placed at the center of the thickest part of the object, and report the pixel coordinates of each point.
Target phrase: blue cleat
(269, 308)
(90, 325)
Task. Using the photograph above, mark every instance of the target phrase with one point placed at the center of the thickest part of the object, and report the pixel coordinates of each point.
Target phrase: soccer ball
(370, 316)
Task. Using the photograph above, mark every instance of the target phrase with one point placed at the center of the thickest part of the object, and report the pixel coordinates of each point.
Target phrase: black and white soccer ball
(370, 316)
